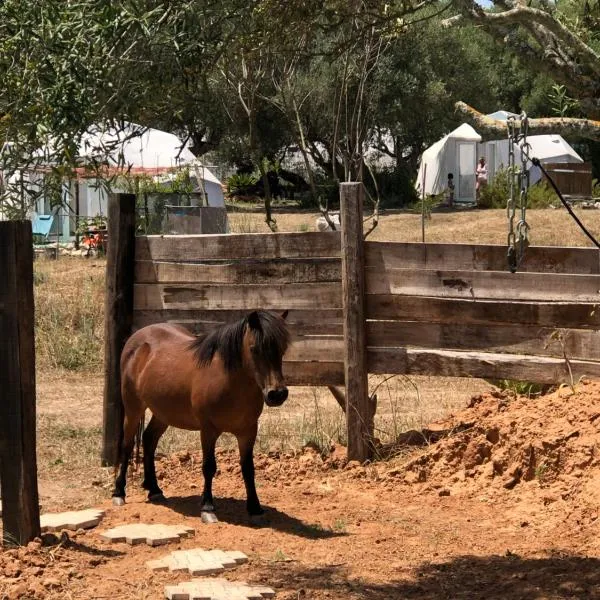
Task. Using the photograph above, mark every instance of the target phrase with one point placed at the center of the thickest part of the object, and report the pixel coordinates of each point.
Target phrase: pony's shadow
(233, 511)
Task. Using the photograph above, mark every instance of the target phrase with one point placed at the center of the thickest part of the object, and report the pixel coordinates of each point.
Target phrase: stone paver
(198, 561)
(140, 533)
(217, 589)
(73, 520)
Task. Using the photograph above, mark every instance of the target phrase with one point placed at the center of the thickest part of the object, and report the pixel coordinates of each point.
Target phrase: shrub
(242, 184)
(496, 193)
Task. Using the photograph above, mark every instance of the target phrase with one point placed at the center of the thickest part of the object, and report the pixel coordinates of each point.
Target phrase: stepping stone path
(73, 520)
(217, 589)
(140, 533)
(198, 561)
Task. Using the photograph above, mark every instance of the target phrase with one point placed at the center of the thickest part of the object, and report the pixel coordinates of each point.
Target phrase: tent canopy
(135, 147)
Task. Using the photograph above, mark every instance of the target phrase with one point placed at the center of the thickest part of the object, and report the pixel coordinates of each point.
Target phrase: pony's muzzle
(276, 397)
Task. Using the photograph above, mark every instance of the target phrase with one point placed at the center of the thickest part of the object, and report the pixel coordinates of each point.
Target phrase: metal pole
(423, 204)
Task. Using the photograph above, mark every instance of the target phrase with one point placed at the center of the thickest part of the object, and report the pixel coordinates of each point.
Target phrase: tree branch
(490, 128)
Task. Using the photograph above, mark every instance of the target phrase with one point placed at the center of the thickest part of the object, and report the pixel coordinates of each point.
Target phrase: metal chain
(518, 235)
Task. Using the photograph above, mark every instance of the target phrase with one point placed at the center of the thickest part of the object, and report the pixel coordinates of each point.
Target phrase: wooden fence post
(358, 409)
(18, 467)
(119, 313)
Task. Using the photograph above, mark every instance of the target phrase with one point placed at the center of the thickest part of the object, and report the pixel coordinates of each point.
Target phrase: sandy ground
(505, 506)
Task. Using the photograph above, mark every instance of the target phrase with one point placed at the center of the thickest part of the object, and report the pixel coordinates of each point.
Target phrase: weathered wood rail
(436, 309)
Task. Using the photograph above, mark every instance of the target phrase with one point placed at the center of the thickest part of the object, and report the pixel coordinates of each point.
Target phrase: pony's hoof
(257, 518)
(208, 517)
(118, 501)
(157, 498)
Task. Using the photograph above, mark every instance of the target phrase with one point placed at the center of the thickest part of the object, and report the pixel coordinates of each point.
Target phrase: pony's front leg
(246, 446)
(209, 439)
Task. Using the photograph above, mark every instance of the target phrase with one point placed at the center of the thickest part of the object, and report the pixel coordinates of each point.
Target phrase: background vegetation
(335, 89)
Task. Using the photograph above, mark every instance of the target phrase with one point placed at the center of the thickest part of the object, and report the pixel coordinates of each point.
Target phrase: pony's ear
(284, 314)
(254, 320)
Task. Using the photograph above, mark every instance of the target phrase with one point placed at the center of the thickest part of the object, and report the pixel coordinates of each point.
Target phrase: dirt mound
(38, 570)
(505, 442)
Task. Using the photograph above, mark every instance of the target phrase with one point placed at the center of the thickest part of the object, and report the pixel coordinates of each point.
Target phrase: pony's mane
(271, 340)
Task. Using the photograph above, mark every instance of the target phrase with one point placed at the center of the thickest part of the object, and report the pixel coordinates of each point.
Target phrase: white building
(132, 151)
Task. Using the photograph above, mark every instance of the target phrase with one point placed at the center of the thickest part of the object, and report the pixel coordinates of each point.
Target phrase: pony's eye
(253, 349)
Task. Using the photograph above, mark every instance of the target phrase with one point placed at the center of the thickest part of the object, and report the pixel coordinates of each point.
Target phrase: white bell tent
(455, 153)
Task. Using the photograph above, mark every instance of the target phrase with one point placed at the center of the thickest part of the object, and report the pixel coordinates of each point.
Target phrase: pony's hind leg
(150, 438)
(130, 425)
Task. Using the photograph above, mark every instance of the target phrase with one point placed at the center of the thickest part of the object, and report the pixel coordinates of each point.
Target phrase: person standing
(450, 191)
(481, 178)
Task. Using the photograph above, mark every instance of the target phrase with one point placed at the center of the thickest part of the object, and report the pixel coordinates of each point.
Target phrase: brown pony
(216, 383)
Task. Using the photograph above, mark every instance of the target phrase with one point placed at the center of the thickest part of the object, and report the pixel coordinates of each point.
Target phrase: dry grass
(69, 339)
(69, 297)
(548, 227)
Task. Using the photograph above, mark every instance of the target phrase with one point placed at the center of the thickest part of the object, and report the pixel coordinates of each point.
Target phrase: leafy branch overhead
(344, 84)
(560, 39)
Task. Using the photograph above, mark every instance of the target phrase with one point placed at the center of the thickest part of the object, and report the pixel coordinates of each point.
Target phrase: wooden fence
(574, 180)
(18, 469)
(380, 307)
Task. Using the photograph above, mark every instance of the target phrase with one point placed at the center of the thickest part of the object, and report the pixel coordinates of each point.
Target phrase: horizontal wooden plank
(464, 257)
(191, 248)
(450, 310)
(486, 365)
(316, 348)
(447, 363)
(450, 363)
(246, 297)
(504, 338)
(293, 270)
(491, 285)
(301, 322)
(313, 373)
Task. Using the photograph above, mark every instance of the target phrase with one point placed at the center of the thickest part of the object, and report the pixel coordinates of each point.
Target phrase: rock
(12, 569)
(492, 435)
(411, 477)
(338, 456)
(488, 470)
(307, 460)
(183, 457)
(34, 546)
(16, 592)
(51, 582)
(49, 539)
(476, 453)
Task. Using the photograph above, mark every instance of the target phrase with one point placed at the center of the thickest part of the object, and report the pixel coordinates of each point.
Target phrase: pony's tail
(138, 439)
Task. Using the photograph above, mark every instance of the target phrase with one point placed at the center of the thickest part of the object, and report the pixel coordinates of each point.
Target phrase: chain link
(518, 235)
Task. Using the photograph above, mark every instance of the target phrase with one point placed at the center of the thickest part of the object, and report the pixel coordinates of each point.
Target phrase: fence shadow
(464, 578)
(233, 511)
